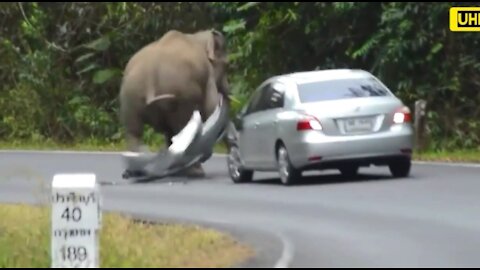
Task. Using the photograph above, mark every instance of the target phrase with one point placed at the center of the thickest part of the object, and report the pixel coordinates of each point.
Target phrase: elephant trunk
(224, 89)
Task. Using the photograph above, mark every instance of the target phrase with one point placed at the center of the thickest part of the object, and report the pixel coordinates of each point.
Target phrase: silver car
(329, 119)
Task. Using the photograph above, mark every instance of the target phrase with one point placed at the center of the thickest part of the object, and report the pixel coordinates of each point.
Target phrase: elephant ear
(215, 45)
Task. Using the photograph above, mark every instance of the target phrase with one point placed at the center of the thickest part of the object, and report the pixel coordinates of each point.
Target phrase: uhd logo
(465, 19)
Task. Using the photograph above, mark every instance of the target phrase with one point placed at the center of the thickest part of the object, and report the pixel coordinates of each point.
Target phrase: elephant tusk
(186, 136)
(160, 97)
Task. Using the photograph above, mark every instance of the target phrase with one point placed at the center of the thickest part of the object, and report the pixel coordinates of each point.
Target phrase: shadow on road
(327, 179)
(268, 178)
(169, 180)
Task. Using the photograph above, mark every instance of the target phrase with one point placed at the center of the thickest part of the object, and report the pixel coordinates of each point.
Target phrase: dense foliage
(61, 64)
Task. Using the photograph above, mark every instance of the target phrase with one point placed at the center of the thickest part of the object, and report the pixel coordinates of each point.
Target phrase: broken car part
(193, 144)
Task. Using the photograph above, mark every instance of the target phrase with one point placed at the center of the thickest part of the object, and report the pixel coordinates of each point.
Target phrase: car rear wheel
(288, 174)
(237, 173)
(400, 167)
(349, 171)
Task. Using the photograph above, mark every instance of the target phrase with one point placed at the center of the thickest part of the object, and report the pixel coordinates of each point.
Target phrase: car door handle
(256, 125)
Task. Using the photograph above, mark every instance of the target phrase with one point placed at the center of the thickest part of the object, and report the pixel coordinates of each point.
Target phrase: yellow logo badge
(465, 19)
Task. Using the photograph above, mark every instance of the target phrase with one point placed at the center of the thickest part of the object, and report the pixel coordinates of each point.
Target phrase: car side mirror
(238, 121)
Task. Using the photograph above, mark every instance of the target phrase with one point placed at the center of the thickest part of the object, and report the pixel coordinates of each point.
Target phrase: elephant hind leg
(133, 122)
(195, 171)
(134, 134)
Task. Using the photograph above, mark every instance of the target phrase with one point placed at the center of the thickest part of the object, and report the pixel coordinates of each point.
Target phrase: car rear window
(341, 89)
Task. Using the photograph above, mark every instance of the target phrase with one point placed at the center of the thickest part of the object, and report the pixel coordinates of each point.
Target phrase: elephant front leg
(195, 171)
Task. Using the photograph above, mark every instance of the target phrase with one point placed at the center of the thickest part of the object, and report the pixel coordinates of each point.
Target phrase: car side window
(254, 102)
(264, 103)
(277, 96)
(270, 96)
(273, 97)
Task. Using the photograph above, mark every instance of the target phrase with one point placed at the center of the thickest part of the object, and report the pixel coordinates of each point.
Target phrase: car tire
(288, 174)
(349, 171)
(237, 173)
(401, 167)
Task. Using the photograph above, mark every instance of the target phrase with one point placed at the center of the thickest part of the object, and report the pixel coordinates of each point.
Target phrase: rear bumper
(314, 150)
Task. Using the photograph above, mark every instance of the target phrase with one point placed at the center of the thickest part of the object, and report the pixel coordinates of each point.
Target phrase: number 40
(75, 214)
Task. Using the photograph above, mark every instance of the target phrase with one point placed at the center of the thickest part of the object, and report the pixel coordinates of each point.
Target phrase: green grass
(88, 145)
(449, 156)
(95, 145)
(25, 242)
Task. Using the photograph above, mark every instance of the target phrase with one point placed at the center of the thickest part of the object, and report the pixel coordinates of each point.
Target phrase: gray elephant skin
(167, 80)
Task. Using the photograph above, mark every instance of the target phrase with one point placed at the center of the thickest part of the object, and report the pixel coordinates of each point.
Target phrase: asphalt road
(431, 219)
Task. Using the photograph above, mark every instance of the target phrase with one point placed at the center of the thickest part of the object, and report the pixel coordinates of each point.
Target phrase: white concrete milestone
(76, 221)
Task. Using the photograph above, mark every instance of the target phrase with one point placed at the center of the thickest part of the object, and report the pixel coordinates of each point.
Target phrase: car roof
(323, 75)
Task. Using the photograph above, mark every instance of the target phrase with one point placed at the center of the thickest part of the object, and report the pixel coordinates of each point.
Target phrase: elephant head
(215, 45)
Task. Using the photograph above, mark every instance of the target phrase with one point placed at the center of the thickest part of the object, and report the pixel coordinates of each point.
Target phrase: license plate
(359, 124)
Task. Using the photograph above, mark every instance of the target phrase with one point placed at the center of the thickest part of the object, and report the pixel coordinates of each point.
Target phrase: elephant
(167, 80)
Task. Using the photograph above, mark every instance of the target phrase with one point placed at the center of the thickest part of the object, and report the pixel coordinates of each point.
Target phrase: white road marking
(287, 253)
(287, 247)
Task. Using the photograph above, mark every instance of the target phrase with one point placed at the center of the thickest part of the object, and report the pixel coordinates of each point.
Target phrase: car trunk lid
(354, 116)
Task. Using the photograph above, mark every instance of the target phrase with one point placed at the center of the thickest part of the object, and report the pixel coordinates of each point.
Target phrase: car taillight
(309, 123)
(402, 115)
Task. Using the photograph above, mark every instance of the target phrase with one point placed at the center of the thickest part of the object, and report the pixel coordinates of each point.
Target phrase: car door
(272, 104)
(247, 128)
(258, 136)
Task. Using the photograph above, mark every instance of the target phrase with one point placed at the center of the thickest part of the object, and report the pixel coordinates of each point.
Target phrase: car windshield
(341, 89)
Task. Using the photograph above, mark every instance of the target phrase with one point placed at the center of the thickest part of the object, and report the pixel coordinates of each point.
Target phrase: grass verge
(94, 145)
(89, 145)
(449, 156)
(25, 242)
